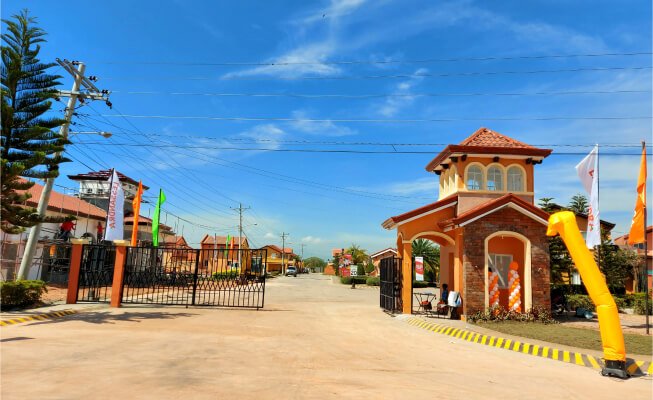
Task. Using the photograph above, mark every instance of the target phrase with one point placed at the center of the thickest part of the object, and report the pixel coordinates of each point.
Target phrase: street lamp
(104, 134)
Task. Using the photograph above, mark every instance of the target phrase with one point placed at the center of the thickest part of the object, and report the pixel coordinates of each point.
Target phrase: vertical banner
(136, 204)
(116, 212)
(155, 219)
(419, 268)
(638, 226)
(588, 172)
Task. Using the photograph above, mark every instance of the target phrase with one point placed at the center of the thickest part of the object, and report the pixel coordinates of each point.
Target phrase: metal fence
(96, 273)
(178, 276)
(390, 280)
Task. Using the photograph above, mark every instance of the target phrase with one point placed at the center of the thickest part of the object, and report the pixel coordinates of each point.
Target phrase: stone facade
(474, 236)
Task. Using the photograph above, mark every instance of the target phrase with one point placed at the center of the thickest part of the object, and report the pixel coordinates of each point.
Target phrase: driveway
(314, 340)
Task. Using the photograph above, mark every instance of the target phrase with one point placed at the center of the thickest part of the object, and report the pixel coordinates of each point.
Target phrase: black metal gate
(96, 273)
(390, 297)
(183, 276)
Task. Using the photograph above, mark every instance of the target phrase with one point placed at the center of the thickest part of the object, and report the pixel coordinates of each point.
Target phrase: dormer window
(474, 178)
(494, 178)
(515, 179)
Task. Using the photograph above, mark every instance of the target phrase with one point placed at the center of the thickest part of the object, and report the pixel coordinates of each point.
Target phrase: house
(218, 255)
(484, 219)
(378, 256)
(94, 188)
(88, 217)
(640, 248)
(274, 258)
(144, 235)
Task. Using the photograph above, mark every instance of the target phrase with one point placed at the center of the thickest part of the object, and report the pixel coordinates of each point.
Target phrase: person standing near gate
(66, 229)
(100, 231)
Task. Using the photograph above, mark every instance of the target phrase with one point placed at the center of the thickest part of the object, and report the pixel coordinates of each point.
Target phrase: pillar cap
(122, 242)
(80, 241)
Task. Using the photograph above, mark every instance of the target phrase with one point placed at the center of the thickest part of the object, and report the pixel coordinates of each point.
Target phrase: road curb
(37, 317)
(634, 367)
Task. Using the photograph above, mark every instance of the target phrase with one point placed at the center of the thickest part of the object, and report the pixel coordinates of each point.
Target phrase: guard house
(484, 218)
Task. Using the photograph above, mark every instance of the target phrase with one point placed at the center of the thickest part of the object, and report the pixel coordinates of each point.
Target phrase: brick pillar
(119, 272)
(73, 271)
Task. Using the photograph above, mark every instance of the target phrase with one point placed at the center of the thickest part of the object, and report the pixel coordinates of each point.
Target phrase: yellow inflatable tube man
(614, 350)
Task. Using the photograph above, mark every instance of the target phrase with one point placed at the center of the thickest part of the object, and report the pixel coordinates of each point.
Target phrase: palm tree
(430, 253)
(358, 256)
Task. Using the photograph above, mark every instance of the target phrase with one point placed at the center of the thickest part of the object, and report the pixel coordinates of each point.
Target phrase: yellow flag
(136, 203)
(637, 228)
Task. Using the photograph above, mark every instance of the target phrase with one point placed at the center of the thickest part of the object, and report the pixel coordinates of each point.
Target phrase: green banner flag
(155, 219)
(226, 245)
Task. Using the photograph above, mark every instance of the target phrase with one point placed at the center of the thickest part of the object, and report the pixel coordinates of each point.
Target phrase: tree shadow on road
(110, 317)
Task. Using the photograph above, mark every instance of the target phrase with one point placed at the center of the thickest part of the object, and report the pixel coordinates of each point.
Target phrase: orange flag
(136, 203)
(637, 228)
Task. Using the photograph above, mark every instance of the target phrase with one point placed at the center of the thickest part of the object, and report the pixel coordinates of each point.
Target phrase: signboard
(354, 270)
(419, 268)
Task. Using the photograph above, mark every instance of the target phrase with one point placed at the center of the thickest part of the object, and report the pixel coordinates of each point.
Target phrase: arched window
(515, 179)
(474, 178)
(494, 178)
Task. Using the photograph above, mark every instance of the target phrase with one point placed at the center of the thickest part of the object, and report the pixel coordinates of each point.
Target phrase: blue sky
(145, 51)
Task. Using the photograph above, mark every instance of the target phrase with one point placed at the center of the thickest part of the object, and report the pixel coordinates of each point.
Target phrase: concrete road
(314, 340)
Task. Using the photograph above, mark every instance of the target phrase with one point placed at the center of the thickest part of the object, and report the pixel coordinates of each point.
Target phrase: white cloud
(266, 136)
(322, 128)
(393, 105)
(270, 235)
(311, 239)
(428, 186)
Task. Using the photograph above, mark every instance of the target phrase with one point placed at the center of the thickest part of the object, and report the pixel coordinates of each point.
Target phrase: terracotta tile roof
(103, 175)
(145, 221)
(496, 205)
(389, 249)
(624, 238)
(447, 201)
(485, 137)
(178, 241)
(221, 240)
(66, 204)
(487, 141)
(286, 250)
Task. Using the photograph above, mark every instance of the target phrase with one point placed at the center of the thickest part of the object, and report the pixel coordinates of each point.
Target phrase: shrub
(498, 314)
(639, 304)
(21, 293)
(620, 302)
(420, 284)
(360, 280)
(225, 275)
(373, 281)
(580, 301)
(369, 268)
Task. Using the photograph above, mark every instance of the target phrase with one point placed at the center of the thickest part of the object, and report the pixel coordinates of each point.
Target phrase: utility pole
(93, 93)
(240, 230)
(283, 251)
(303, 266)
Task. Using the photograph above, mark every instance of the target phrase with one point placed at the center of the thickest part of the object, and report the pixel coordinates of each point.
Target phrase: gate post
(73, 271)
(119, 272)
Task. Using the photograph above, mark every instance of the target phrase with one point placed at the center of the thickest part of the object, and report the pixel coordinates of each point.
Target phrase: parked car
(291, 271)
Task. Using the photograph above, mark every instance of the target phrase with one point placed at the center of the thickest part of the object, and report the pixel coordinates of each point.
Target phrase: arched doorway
(502, 248)
(443, 273)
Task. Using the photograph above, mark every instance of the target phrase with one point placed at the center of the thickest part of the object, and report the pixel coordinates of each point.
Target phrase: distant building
(144, 236)
(622, 241)
(378, 256)
(94, 188)
(274, 258)
(218, 255)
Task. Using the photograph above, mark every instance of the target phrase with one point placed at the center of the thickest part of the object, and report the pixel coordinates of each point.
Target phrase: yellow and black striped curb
(633, 367)
(37, 317)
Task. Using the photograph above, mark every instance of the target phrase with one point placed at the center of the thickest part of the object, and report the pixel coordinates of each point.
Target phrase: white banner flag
(419, 268)
(588, 172)
(116, 212)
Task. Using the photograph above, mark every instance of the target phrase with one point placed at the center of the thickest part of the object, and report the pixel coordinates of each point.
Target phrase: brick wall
(474, 255)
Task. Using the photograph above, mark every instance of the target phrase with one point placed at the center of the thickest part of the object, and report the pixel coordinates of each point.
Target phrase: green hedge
(360, 280)
(580, 301)
(15, 294)
(373, 281)
(420, 284)
(639, 304)
(580, 289)
(225, 275)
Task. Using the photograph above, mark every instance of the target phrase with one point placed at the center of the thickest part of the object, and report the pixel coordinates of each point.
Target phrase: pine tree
(29, 145)
(560, 260)
(579, 204)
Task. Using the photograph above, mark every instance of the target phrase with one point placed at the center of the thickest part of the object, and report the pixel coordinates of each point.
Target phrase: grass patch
(569, 336)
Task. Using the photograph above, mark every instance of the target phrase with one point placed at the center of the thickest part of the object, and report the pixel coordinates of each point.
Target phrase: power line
(396, 76)
(377, 95)
(373, 62)
(311, 150)
(377, 120)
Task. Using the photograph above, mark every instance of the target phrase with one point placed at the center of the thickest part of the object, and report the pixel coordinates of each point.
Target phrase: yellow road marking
(579, 359)
(634, 366)
(565, 356)
(516, 346)
(593, 362)
(498, 342)
(526, 348)
(555, 354)
(650, 369)
(545, 352)
(484, 340)
(507, 345)
(536, 349)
